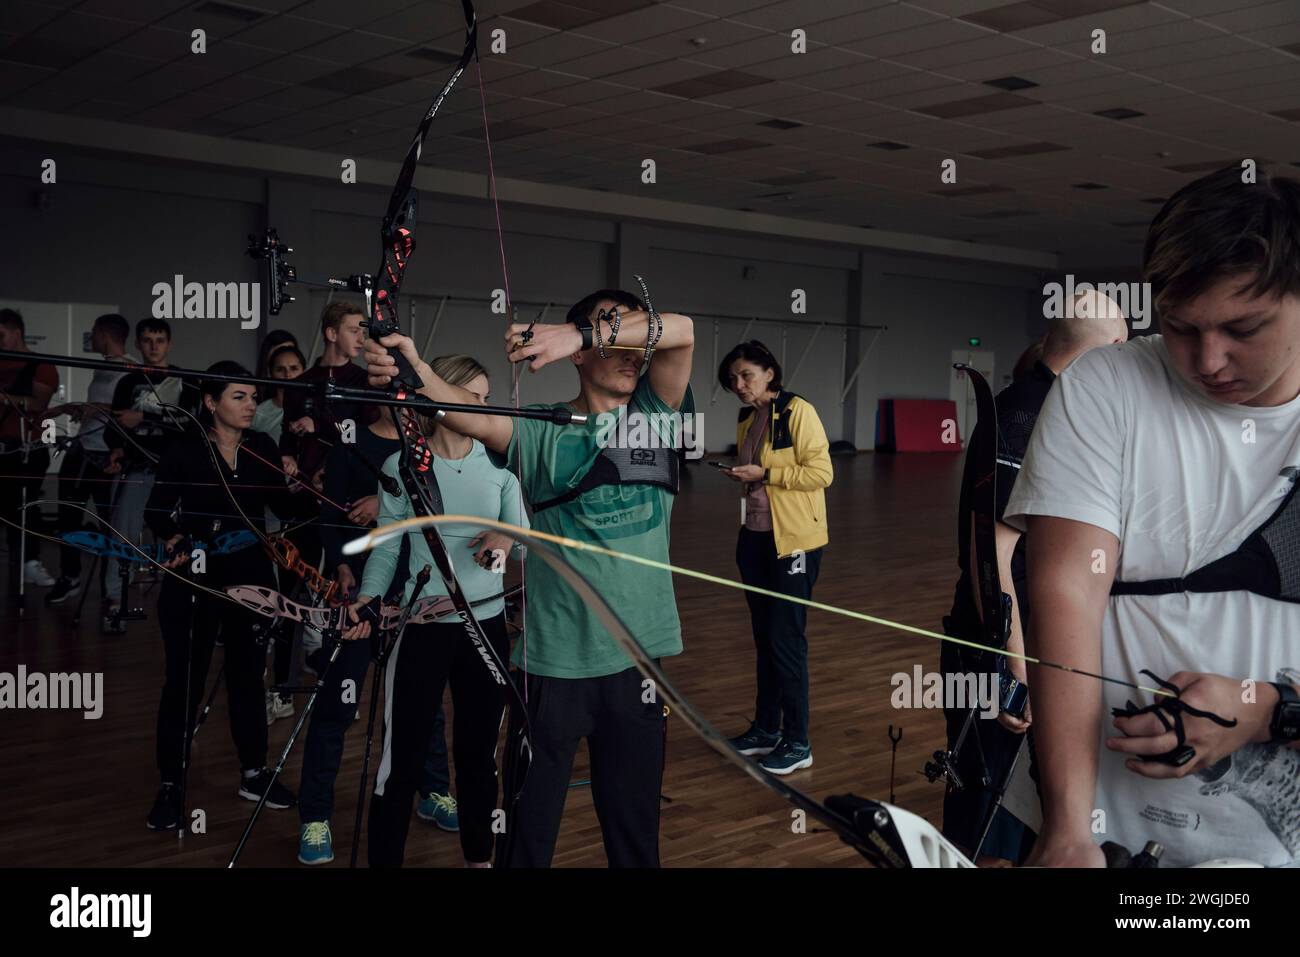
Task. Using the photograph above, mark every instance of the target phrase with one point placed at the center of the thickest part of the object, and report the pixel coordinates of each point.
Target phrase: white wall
(117, 225)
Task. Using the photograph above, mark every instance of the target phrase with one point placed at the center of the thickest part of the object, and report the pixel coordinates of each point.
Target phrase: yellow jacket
(797, 456)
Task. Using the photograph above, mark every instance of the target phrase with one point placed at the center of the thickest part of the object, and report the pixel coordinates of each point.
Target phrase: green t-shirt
(563, 637)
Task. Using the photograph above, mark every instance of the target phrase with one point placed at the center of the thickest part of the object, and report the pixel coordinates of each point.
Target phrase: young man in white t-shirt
(1150, 460)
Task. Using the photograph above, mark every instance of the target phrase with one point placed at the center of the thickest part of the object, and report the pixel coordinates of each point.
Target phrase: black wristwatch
(1285, 726)
(584, 326)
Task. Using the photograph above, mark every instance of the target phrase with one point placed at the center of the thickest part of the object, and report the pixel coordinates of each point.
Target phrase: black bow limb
(1170, 713)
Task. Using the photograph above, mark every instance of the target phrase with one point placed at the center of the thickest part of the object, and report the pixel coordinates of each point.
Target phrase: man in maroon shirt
(25, 392)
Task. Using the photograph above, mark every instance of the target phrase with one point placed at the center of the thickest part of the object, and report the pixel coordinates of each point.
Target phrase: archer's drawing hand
(1144, 734)
(549, 343)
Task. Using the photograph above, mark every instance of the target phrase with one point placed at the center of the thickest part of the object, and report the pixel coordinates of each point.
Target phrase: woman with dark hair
(784, 467)
(284, 361)
(275, 340)
(190, 505)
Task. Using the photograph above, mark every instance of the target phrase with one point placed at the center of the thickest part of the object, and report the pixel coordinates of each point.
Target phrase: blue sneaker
(439, 809)
(786, 758)
(316, 843)
(754, 741)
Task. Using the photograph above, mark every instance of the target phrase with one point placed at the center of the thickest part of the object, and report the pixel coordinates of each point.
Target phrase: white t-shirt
(1124, 444)
(100, 390)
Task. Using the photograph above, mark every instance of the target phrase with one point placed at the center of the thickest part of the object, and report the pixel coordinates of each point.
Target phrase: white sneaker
(35, 573)
(277, 707)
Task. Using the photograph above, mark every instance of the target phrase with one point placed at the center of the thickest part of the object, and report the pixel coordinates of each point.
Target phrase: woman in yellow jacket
(784, 466)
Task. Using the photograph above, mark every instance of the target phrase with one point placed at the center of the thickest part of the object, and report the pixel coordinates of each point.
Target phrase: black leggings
(425, 659)
(187, 615)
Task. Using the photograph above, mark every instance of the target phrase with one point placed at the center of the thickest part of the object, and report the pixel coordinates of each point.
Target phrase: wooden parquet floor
(76, 792)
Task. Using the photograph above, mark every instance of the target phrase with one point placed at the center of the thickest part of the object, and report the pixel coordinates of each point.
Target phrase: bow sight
(276, 273)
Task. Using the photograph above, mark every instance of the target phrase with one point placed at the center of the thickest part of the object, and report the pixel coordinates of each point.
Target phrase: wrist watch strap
(584, 326)
(1285, 726)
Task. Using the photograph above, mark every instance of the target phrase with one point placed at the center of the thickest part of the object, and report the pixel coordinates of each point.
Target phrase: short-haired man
(84, 473)
(145, 430)
(580, 684)
(1152, 464)
(310, 430)
(25, 392)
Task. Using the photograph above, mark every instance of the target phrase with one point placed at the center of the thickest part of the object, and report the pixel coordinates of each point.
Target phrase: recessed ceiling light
(1011, 83)
(1118, 113)
(230, 11)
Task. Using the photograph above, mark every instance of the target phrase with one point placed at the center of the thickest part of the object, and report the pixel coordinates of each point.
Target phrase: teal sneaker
(316, 843)
(755, 742)
(439, 809)
(786, 758)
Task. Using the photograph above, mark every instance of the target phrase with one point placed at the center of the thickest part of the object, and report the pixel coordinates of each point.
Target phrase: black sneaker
(787, 757)
(755, 741)
(278, 796)
(166, 813)
(63, 589)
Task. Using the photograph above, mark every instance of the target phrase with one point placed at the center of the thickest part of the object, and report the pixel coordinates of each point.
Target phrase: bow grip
(385, 326)
(405, 373)
(370, 611)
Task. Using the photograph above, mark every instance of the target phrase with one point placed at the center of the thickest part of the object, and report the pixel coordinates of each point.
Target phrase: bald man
(1094, 320)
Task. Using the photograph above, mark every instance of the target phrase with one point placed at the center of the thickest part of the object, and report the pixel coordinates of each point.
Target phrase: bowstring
(517, 371)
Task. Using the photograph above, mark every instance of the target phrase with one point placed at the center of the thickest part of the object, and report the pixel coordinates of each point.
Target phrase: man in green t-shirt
(579, 683)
